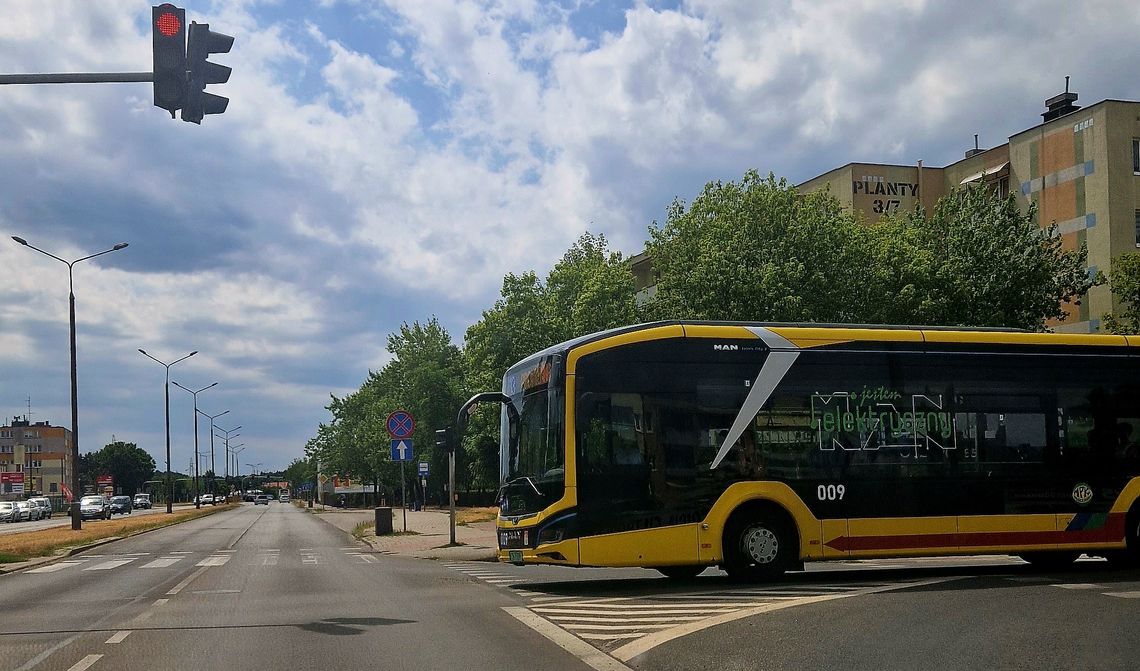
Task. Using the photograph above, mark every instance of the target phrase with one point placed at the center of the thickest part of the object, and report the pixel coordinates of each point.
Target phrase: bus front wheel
(757, 546)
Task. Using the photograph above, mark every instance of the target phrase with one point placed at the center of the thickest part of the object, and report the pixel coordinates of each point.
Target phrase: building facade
(38, 452)
(1080, 167)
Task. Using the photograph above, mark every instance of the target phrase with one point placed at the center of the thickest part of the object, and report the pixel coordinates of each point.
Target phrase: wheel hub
(761, 545)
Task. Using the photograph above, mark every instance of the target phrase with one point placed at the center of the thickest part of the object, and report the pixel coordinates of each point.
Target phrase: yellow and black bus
(757, 447)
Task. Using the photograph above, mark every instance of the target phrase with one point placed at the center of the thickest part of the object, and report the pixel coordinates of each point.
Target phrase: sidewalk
(428, 534)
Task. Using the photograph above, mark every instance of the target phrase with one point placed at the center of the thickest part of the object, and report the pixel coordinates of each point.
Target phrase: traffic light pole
(79, 78)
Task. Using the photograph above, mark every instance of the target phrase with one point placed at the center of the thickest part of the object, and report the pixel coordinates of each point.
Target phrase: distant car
(45, 505)
(141, 501)
(121, 505)
(205, 498)
(284, 497)
(260, 499)
(94, 508)
(28, 511)
(8, 512)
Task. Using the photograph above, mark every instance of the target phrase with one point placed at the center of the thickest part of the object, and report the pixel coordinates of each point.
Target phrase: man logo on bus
(726, 348)
(1082, 493)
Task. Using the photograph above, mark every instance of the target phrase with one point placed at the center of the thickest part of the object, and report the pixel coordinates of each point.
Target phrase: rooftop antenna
(975, 141)
(29, 417)
(1066, 83)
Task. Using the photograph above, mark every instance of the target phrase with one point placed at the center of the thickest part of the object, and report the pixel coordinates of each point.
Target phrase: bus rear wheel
(757, 546)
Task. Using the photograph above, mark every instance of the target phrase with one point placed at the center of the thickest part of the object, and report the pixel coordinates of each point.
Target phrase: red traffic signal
(168, 39)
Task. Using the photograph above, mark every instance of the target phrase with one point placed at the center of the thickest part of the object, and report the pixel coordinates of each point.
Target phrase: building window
(31, 434)
(1003, 187)
(35, 464)
(1136, 156)
(53, 487)
(1138, 228)
(5, 433)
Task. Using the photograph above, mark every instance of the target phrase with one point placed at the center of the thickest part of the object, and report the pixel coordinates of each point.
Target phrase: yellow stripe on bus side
(1010, 338)
(641, 335)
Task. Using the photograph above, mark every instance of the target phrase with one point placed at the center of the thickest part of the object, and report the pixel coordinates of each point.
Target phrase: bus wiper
(529, 481)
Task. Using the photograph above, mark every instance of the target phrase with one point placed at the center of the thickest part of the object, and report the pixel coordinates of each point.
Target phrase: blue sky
(384, 161)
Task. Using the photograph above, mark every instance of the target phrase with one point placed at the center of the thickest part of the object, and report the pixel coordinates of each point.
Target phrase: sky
(386, 161)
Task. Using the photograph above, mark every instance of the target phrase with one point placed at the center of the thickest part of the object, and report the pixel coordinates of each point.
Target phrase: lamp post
(169, 483)
(234, 451)
(194, 393)
(76, 521)
(229, 434)
(212, 427)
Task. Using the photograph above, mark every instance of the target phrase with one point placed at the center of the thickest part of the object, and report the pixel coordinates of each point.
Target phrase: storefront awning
(1002, 168)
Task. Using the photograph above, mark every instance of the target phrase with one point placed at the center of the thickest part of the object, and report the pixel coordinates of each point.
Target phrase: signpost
(12, 483)
(401, 425)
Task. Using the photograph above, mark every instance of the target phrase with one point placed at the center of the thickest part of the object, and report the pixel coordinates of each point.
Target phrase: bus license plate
(514, 556)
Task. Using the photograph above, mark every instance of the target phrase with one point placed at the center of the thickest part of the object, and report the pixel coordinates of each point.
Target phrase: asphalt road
(276, 587)
(270, 586)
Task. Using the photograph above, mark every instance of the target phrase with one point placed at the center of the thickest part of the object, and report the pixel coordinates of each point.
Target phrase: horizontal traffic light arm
(78, 78)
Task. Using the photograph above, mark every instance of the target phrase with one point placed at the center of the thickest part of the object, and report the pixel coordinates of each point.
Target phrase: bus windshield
(533, 464)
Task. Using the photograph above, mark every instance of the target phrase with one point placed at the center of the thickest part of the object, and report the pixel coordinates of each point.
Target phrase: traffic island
(29, 548)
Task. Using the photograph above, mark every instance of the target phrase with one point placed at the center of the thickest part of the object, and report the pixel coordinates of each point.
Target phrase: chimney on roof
(975, 150)
(1061, 104)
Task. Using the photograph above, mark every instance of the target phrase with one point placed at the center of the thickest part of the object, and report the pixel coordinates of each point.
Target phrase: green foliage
(127, 463)
(758, 250)
(590, 289)
(1124, 278)
(299, 472)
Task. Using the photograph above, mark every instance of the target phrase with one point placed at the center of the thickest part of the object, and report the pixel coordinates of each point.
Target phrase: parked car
(284, 497)
(142, 501)
(94, 508)
(121, 505)
(28, 511)
(260, 499)
(205, 498)
(45, 505)
(8, 512)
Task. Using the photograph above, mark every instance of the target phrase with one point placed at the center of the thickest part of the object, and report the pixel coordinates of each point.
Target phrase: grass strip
(466, 516)
(20, 546)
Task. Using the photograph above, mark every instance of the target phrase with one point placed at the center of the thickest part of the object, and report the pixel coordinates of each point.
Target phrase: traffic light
(201, 43)
(443, 439)
(168, 36)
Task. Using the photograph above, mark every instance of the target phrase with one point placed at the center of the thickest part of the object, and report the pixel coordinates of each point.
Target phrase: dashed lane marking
(119, 637)
(108, 565)
(52, 568)
(1124, 595)
(162, 562)
(1078, 585)
(85, 663)
(214, 560)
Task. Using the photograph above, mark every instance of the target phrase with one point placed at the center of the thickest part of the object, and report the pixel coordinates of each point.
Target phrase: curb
(36, 562)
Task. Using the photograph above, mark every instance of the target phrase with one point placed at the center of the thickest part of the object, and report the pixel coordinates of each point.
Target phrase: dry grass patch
(27, 544)
(469, 515)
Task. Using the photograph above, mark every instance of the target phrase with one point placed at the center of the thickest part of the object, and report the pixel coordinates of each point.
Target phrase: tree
(1124, 278)
(760, 251)
(127, 463)
(589, 289)
(983, 262)
(299, 472)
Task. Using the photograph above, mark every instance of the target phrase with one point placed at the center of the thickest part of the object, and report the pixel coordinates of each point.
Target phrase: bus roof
(810, 335)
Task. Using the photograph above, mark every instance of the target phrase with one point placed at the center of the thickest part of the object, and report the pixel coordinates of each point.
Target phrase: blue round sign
(401, 425)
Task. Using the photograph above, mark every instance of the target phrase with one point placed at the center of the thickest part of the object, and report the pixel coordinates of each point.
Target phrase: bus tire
(1129, 557)
(680, 572)
(1050, 560)
(758, 545)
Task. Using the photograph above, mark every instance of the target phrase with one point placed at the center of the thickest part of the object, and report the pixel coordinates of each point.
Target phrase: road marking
(85, 663)
(671, 618)
(224, 551)
(215, 560)
(572, 644)
(181, 552)
(645, 643)
(217, 591)
(52, 568)
(162, 562)
(108, 565)
(159, 602)
(269, 560)
(186, 581)
(1124, 595)
(351, 548)
(1079, 585)
(119, 637)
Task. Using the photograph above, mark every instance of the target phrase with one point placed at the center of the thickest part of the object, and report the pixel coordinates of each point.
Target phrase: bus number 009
(830, 492)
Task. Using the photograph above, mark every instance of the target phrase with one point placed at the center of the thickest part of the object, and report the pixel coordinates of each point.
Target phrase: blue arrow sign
(401, 450)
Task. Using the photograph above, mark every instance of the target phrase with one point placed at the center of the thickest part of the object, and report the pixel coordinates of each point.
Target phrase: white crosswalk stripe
(108, 565)
(162, 562)
(52, 568)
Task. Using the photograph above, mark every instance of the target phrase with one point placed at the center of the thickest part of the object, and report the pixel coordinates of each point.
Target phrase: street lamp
(212, 417)
(229, 434)
(194, 393)
(169, 483)
(76, 521)
(233, 455)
